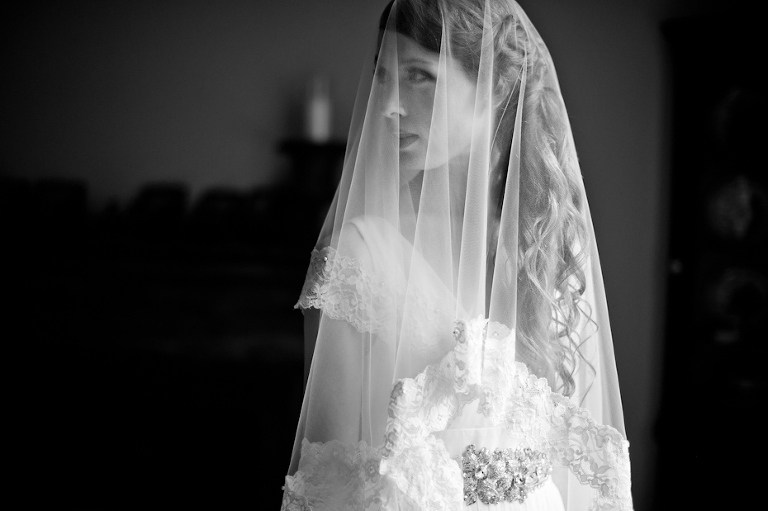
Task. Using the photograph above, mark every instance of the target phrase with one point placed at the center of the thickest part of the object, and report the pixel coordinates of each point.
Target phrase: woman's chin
(410, 164)
(408, 173)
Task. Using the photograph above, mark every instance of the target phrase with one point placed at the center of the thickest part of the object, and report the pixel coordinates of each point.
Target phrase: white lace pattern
(413, 469)
(367, 298)
(344, 290)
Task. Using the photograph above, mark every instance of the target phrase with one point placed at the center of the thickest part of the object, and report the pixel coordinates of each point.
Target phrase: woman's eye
(418, 76)
(380, 74)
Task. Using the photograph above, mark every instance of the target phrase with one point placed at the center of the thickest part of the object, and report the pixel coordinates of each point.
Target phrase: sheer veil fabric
(455, 295)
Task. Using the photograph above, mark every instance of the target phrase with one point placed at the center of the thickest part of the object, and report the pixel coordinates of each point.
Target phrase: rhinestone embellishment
(502, 474)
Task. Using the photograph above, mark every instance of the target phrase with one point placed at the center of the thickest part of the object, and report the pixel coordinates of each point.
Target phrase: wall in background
(118, 94)
(121, 93)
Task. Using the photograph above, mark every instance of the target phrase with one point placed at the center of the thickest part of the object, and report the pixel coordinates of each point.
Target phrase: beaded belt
(503, 474)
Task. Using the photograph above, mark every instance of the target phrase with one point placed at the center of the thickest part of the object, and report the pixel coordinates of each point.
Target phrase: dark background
(714, 382)
(155, 354)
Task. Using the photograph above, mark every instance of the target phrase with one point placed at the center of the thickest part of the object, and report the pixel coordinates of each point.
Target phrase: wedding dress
(462, 350)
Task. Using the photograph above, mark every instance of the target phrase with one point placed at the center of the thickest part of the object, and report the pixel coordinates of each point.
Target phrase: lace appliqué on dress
(341, 288)
(597, 455)
(413, 470)
(482, 367)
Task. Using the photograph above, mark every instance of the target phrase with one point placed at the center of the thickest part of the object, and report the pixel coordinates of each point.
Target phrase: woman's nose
(393, 106)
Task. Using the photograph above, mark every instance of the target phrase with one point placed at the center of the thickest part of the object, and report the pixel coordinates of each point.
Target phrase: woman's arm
(311, 326)
(335, 368)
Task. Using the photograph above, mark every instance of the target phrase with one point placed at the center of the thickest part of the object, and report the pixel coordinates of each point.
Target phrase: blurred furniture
(715, 384)
(160, 355)
(316, 168)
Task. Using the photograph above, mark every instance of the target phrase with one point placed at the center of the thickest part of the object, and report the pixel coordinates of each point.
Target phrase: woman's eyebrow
(412, 60)
(417, 60)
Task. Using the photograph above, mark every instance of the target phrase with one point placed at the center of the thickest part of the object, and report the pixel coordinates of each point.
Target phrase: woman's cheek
(422, 106)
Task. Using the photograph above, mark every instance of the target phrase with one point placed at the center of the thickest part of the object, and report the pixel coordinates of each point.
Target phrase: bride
(462, 350)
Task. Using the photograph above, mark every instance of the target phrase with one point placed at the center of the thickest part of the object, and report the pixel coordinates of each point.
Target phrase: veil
(455, 286)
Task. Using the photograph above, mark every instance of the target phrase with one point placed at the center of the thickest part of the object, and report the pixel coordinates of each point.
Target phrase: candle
(318, 112)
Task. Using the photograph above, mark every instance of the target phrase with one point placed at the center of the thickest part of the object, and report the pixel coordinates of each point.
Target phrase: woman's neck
(457, 186)
(419, 204)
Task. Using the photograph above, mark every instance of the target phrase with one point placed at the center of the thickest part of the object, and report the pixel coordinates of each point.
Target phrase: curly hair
(552, 227)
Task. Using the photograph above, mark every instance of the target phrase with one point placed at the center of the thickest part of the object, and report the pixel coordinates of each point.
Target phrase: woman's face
(428, 136)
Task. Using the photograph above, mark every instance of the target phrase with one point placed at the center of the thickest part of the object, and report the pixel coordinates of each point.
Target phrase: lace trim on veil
(344, 290)
(337, 476)
(367, 298)
(417, 464)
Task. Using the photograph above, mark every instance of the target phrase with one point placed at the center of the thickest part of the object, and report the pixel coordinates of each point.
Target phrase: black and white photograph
(385, 255)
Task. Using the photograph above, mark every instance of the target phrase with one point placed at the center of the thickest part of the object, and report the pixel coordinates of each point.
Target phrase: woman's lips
(407, 140)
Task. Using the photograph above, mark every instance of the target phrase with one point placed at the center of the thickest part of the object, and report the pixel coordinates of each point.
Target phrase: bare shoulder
(356, 239)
